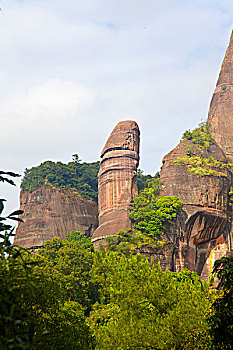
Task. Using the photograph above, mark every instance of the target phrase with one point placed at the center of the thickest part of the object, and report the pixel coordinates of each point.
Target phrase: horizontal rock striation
(53, 212)
(117, 180)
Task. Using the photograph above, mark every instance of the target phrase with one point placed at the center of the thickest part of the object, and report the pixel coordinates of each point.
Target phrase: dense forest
(81, 176)
(77, 175)
(68, 296)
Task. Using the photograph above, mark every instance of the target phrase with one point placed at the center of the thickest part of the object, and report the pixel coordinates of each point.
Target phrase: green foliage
(70, 261)
(35, 310)
(36, 307)
(151, 214)
(200, 136)
(142, 307)
(198, 164)
(13, 276)
(74, 175)
(203, 166)
(4, 177)
(221, 320)
(83, 241)
(142, 180)
(230, 196)
(128, 242)
(15, 286)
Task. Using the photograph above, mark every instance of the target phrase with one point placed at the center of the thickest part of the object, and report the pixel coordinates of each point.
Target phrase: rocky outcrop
(205, 215)
(53, 212)
(117, 180)
(221, 107)
(202, 231)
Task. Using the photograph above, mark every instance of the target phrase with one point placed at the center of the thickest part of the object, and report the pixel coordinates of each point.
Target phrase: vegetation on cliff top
(203, 166)
(198, 164)
(81, 176)
(201, 136)
(77, 175)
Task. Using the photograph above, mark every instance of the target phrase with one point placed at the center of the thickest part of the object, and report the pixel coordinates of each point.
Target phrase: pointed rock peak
(226, 73)
(221, 108)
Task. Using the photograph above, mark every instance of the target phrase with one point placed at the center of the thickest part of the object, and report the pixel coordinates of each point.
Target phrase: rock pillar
(117, 180)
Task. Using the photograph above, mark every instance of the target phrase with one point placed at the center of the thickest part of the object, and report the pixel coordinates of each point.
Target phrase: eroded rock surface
(117, 180)
(53, 212)
(221, 107)
(205, 215)
(203, 231)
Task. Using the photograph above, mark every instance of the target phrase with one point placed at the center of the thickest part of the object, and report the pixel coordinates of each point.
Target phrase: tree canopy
(75, 175)
(221, 320)
(143, 307)
(151, 213)
(68, 296)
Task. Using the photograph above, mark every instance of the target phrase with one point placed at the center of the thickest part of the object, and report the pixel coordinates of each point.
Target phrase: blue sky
(71, 70)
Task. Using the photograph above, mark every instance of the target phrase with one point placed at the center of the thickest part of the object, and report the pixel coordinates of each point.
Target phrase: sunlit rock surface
(117, 180)
(221, 107)
(53, 212)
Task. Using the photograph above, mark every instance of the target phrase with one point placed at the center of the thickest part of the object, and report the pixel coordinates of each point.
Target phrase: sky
(71, 70)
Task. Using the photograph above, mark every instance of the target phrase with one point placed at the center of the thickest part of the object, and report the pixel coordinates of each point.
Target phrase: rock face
(53, 212)
(221, 107)
(203, 224)
(203, 231)
(117, 180)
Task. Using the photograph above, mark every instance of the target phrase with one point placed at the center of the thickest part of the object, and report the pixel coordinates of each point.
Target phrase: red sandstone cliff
(117, 180)
(221, 107)
(203, 225)
(53, 212)
(203, 231)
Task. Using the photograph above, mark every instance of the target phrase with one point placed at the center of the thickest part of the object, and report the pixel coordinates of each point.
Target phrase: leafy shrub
(203, 166)
(200, 136)
(127, 242)
(143, 180)
(221, 320)
(143, 307)
(199, 165)
(151, 214)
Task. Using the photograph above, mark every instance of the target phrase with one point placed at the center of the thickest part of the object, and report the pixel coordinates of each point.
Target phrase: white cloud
(41, 106)
(70, 70)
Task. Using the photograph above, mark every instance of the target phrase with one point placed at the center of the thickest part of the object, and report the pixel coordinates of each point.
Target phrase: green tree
(142, 307)
(75, 175)
(221, 320)
(143, 180)
(150, 214)
(83, 241)
(70, 261)
(128, 242)
(13, 275)
(35, 312)
(200, 136)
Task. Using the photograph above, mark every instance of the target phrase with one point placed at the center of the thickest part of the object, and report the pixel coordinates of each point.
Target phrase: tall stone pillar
(117, 180)
(221, 107)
